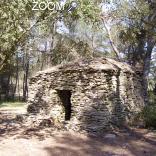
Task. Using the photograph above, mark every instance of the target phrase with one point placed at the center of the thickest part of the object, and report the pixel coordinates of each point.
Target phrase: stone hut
(87, 95)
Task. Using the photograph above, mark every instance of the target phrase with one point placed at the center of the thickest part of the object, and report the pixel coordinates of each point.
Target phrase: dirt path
(18, 140)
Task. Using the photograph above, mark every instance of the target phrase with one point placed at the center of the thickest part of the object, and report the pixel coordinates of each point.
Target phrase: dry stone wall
(104, 93)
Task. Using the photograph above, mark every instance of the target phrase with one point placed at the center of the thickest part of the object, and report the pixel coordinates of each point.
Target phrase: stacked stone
(104, 93)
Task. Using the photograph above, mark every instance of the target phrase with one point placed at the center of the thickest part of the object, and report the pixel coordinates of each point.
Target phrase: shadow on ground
(46, 141)
(132, 143)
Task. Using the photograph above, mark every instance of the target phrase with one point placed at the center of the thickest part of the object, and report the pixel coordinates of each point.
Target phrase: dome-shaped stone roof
(96, 64)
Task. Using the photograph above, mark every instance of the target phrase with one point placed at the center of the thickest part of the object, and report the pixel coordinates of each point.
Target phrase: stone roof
(96, 64)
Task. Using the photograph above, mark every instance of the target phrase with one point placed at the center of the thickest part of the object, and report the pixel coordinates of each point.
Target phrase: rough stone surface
(104, 93)
(110, 136)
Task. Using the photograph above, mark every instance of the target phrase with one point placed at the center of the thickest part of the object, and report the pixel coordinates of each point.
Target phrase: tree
(134, 23)
(17, 22)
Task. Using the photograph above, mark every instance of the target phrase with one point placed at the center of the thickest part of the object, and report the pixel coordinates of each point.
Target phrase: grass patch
(13, 104)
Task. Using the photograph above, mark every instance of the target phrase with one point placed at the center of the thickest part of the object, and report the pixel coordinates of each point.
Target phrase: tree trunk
(141, 60)
(17, 77)
(25, 82)
(146, 67)
(26, 75)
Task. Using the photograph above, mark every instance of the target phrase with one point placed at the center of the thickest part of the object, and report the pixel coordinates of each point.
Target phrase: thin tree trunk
(146, 67)
(26, 74)
(17, 77)
(115, 49)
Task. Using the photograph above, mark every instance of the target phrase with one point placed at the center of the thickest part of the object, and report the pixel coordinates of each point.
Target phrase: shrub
(149, 115)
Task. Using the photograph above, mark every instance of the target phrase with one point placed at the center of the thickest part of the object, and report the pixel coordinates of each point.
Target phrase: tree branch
(117, 53)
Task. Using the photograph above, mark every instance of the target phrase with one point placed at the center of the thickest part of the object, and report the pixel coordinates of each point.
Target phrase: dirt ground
(18, 140)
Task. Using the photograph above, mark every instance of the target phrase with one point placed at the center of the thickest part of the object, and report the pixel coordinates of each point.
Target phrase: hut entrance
(65, 96)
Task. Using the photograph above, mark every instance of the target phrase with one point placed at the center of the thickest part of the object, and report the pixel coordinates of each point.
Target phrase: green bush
(149, 115)
(152, 97)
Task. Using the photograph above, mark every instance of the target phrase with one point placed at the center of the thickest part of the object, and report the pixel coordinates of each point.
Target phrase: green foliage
(149, 112)
(68, 50)
(14, 24)
(149, 115)
(17, 20)
(86, 10)
(129, 19)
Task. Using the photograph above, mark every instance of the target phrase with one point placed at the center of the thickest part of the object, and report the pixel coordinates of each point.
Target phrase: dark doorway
(65, 96)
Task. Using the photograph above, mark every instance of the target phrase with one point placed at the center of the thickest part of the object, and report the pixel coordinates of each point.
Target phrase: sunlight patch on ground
(12, 104)
(13, 107)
